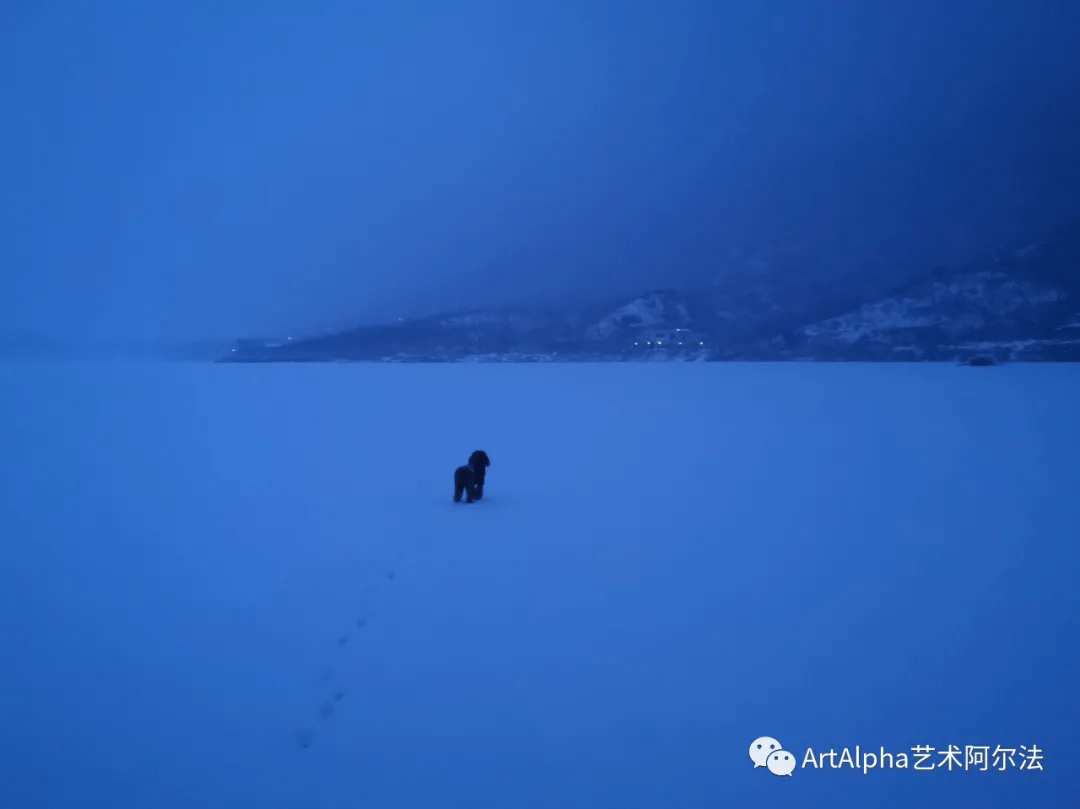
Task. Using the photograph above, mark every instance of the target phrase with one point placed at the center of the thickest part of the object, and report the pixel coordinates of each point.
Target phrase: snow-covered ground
(673, 560)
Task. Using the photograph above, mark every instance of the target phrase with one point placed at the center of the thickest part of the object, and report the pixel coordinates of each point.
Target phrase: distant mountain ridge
(1018, 305)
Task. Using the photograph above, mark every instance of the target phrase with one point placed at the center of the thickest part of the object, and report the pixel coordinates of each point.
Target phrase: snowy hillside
(657, 310)
(988, 312)
(1018, 306)
(248, 586)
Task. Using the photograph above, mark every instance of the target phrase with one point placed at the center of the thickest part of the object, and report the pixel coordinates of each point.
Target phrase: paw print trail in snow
(346, 641)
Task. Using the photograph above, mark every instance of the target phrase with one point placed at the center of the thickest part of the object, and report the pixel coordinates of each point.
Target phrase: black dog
(464, 483)
(479, 462)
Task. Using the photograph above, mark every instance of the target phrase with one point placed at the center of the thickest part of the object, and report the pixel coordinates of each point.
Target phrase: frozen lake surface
(247, 586)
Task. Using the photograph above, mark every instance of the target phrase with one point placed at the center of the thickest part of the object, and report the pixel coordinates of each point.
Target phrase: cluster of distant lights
(661, 342)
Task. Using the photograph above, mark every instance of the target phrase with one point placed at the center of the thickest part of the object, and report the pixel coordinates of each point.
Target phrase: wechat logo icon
(767, 752)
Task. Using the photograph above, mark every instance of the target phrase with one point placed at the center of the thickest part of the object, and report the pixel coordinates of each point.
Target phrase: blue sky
(209, 169)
